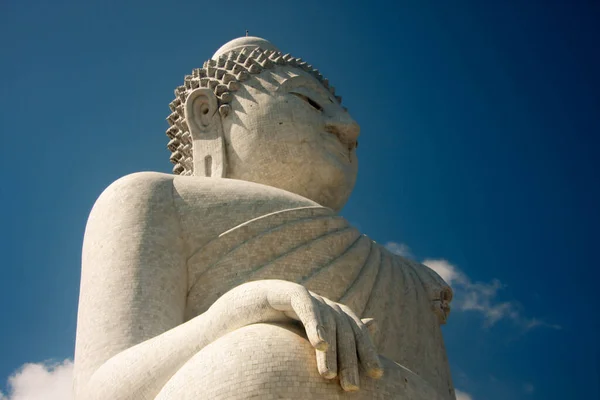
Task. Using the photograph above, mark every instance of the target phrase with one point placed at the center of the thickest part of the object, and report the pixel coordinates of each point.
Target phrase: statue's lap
(275, 362)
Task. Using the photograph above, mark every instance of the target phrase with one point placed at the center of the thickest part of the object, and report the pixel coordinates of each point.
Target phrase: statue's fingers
(346, 350)
(327, 360)
(367, 353)
(307, 309)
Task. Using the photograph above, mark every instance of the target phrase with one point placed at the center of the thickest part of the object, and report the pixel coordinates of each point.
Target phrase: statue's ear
(204, 123)
(200, 107)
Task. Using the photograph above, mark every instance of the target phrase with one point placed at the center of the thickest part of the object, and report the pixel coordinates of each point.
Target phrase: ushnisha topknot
(223, 74)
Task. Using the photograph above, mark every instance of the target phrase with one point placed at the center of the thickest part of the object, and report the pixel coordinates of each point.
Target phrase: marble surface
(235, 278)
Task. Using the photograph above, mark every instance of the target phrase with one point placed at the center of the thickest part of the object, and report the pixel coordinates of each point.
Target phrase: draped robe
(320, 250)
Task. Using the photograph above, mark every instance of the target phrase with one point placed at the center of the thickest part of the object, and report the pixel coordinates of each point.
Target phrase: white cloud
(462, 395)
(482, 297)
(472, 296)
(447, 271)
(41, 381)
(399, 248)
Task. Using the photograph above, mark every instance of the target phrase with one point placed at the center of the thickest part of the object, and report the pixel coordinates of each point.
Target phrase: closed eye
(310, 101)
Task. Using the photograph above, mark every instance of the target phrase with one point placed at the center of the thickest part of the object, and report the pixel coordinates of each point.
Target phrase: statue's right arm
(130, 332)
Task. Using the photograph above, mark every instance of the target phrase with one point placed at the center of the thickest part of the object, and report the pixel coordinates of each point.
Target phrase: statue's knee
(249, 363)
(264, 359)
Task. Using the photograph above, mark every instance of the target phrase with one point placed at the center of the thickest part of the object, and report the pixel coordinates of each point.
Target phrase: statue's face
(287, 131)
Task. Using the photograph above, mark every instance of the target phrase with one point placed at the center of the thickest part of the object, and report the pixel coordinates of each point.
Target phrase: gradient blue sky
(480, 127)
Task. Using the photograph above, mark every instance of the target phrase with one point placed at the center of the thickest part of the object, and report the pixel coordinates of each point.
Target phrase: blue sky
(480, 125)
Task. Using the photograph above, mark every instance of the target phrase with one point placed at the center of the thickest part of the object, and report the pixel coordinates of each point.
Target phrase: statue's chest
(307, 245)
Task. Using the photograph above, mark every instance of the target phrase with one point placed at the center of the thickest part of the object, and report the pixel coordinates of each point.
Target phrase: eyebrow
(299, 80)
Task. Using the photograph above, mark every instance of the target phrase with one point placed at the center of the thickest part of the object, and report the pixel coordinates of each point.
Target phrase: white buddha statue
(235, 278)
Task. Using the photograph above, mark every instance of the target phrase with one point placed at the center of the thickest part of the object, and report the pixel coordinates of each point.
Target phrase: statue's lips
(335, 146)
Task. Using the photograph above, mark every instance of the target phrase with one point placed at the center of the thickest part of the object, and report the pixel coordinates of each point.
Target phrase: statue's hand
(348, 343)
(340, 338)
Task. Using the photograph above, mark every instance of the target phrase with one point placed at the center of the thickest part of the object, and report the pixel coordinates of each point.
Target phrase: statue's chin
(334, 199)
(326, 184)
(332, 196)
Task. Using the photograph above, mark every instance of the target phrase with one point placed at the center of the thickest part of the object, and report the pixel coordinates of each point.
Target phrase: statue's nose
(344, 127)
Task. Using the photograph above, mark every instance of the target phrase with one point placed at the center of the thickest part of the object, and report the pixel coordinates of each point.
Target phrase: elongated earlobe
(205, 126)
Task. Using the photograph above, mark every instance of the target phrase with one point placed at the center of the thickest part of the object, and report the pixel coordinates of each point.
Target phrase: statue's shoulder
(137, 190)
(137, 202)
(204, 207)
(141, 190)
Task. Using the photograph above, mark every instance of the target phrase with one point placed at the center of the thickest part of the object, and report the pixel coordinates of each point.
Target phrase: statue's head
(255, 114)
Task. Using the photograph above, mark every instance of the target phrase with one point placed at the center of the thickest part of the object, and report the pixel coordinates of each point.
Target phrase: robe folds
(320, 250)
